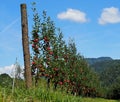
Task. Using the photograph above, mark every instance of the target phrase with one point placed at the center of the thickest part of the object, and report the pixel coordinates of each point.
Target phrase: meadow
(42, 94)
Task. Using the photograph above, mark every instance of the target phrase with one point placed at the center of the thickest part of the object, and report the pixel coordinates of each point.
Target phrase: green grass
(41, 94)
(97, 100)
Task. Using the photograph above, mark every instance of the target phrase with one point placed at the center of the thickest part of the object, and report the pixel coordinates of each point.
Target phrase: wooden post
(25, 44)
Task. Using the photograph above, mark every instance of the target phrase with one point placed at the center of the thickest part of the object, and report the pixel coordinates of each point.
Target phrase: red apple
(60, 83)
(56, 57)
(51, 53)
(33, 45)
(47, 75)
(36, 40)
(65, 81)
(45, 39)
(55, 69)
(48, 48)
(33, 63)
(68, 81)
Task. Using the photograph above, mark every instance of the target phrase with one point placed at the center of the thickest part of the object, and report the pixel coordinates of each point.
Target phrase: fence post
(25, 44)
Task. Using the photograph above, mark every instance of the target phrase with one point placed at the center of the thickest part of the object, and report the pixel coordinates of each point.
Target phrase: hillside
(92, 61)
(102, 63)
(108, 70)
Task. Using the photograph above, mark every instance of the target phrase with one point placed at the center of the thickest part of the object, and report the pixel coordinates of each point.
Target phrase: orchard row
(58, 62)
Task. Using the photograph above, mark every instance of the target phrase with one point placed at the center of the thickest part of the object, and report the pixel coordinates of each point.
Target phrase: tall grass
(41, 94)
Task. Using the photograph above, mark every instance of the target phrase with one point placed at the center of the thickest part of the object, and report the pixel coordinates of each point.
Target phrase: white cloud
(73, 15)
(110, 15)
(9, 70)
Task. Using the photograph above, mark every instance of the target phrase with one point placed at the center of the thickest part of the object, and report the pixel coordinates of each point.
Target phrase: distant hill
(102, 63)
(92, 61)
(5, 80)
(107, 68)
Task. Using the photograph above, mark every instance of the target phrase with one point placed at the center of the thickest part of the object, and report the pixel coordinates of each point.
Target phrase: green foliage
(110, 79)
(58, 62)
(109, 72)
(114, 90)
(5, 80)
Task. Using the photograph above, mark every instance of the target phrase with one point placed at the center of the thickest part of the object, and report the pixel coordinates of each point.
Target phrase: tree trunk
(25, 43)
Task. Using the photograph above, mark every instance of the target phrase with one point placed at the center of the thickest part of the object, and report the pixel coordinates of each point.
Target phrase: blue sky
(93, 24)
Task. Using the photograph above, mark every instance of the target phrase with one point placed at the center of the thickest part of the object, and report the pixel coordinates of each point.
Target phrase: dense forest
(108, 70)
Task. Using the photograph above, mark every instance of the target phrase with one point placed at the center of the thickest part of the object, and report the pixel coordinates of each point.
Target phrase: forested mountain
(108, 70)
(102, 63)
(92, 61)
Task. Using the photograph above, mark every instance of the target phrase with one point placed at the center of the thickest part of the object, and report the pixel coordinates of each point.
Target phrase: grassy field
(41, 94)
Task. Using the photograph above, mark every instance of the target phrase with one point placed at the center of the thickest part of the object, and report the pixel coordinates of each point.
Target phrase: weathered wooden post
(25, 44)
